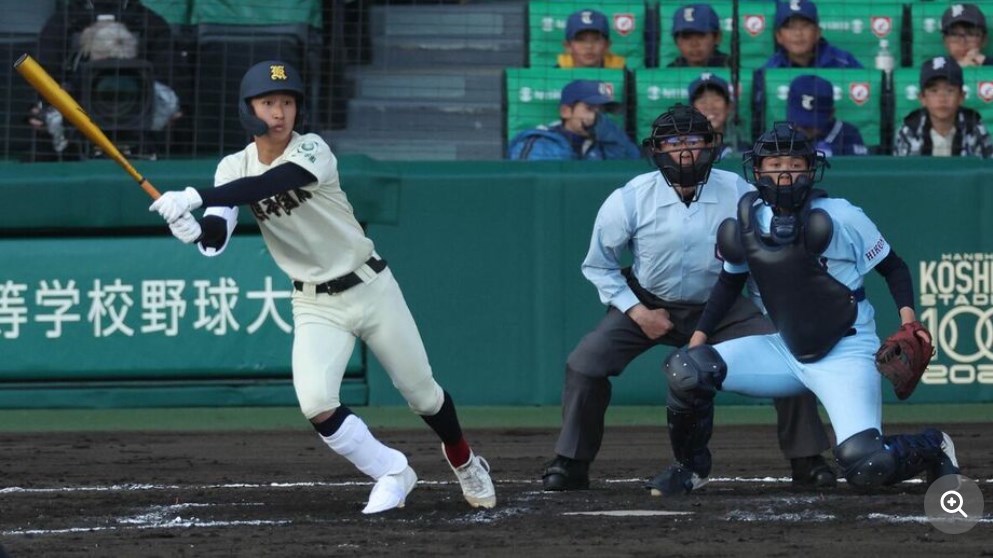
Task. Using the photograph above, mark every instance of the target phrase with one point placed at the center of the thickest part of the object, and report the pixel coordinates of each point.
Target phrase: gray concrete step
(419, 116)
(432, 52)
(492, 19)
(463, 84)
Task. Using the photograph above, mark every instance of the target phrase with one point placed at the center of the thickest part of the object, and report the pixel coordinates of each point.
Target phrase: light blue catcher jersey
(673, 246)
(855, 249)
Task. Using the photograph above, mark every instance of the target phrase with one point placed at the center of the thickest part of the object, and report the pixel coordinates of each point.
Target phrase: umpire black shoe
(813, 472)
(563, 473)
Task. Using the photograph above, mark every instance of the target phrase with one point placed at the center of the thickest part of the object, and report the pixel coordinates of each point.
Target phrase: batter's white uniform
(313, 236)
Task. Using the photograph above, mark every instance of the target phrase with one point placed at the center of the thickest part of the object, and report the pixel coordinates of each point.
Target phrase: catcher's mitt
(904, 356)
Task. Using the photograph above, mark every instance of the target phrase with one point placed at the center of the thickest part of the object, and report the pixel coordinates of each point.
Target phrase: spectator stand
(19, 30)
(655, 90)
(978, 88)
(667, 46)
(926, 40)
(858, 99)
(231, 37)
(546, 29)
(532, 95)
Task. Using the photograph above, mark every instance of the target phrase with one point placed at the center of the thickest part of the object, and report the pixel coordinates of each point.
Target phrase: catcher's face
(783, 170)
(278, 111)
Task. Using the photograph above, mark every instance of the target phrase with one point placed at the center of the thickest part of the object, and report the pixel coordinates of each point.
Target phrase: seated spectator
(587, 42)
(799, 43)
(963, 28)
(943, 128)
(711, 95)
(810, 107)
(583, 133)
(696, 29)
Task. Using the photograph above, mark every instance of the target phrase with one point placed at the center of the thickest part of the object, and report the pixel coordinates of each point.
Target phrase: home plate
(629, 513)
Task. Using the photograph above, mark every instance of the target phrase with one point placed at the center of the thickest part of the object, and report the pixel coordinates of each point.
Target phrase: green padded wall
(546, 27)
(925, 21)
(857, 97)
(533, 94)
(658, 89)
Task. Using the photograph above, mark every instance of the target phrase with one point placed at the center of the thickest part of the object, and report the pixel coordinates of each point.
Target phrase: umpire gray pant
(617, 340)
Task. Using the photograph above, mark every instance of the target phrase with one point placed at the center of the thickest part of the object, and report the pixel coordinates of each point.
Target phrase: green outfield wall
(101, 307)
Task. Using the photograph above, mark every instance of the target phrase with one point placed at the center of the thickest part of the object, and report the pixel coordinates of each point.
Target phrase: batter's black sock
(445, 423)
(332, 423)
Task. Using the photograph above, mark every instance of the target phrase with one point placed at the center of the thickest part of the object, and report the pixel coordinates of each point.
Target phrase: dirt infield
(283, 494)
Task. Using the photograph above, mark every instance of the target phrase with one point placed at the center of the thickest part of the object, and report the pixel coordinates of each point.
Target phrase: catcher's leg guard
(864, 459)
(694, 376)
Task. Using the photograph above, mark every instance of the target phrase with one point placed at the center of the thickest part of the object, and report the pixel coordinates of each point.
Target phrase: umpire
(668, 220)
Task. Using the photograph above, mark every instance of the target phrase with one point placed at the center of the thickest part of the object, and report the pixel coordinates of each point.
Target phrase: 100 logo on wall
(956, 307)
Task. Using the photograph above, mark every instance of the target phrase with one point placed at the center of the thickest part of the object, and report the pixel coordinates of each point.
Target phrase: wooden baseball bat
(63, 101)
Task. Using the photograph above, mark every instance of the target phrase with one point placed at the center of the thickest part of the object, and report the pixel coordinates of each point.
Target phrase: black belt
(345, 282)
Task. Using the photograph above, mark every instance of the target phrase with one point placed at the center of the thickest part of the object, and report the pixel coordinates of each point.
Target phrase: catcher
(808, 254)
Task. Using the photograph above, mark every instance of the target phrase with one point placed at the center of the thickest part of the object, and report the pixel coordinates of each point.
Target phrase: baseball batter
(808, 255)
(668, 220)
(343, 290)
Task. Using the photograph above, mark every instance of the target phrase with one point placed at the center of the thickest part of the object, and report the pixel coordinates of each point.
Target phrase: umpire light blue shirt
(673, 245)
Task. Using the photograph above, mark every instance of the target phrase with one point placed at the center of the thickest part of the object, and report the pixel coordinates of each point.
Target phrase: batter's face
(588, 49)
(798, 37)
(697, 48)
(782, 170)
(579, 118)
(279, 112)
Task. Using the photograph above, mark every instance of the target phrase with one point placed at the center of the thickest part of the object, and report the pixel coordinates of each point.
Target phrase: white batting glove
(186, 228)
(172, 205)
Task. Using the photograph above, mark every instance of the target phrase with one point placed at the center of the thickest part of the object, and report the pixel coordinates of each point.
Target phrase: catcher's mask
(691, 165)
(787, 190)
(263, 78)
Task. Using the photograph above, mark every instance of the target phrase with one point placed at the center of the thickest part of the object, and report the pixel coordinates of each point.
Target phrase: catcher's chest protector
(811, 309)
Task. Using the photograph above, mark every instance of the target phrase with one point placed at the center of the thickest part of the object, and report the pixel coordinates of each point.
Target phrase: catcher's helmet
(264, 78)
(784, 140)
(683, 120)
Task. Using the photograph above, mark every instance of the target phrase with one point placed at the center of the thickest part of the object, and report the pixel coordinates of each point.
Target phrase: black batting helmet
(264, 78)
(784, 140)
(683, 120)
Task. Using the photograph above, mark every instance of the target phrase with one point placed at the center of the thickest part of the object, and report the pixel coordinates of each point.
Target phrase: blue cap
(708, 79)
(588, 91)
(695, 18)
(810, 103)
(795, 8)
(941, 67)
(586, 20)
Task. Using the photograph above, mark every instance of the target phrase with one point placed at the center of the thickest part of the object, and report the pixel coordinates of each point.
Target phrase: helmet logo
(277, 72)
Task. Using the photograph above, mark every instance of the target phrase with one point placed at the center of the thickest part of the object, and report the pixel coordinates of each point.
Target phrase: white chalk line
(172, 516)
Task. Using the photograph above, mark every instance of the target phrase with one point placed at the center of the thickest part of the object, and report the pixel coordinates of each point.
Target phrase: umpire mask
(684, 147)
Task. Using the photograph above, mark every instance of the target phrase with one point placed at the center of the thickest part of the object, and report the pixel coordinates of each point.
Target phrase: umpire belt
(343, 283)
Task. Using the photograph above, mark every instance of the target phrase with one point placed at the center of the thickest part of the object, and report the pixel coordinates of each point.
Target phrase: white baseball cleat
(474, 476)
(391, 491)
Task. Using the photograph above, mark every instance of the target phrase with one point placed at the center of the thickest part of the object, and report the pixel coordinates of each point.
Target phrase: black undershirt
(277, 180)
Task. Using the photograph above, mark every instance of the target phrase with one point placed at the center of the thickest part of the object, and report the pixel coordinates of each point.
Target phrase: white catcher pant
(325, 330)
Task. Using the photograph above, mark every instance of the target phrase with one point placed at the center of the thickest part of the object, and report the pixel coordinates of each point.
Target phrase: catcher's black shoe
(563, 473)
(675, 480)
(813, 472)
